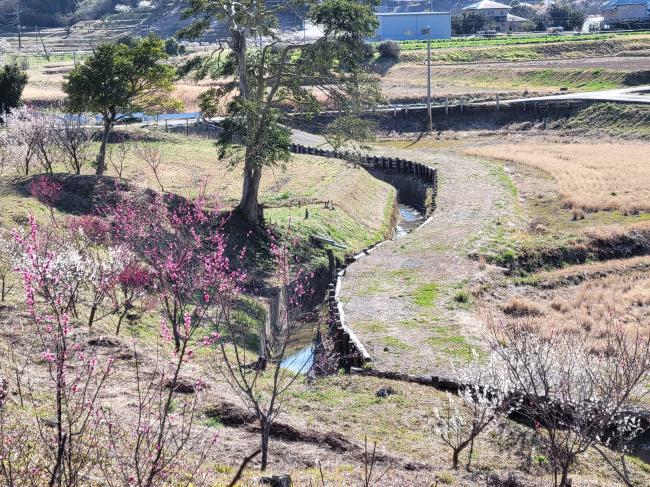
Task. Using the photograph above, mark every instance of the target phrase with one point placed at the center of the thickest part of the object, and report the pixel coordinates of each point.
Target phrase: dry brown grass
(592, 177)
(595, 270)
(188, 94)
(521, 307)
(606, 295)
(44, 84)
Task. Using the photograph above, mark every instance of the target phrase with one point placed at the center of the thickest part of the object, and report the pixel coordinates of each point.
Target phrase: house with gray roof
(625, 11)
(497, 15)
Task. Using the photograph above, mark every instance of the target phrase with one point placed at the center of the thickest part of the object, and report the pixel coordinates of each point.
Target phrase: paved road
(638, 94)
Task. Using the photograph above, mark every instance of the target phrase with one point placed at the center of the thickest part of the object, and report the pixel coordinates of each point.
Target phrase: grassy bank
(359, 211)
(407, 82)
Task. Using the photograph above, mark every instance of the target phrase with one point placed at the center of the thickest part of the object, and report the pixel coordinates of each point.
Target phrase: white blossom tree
(30, 138)
(485, 397)
(577, 398)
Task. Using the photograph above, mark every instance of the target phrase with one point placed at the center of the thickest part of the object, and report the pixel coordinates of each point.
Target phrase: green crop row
(507, 40)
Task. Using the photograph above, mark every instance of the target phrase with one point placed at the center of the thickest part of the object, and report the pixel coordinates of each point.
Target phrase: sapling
(485, 397)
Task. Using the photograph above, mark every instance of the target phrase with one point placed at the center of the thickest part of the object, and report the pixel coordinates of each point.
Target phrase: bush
(173, 47)
(129, 40)
(12, 84)
(461, 297)
(521, 307)
(389, 50)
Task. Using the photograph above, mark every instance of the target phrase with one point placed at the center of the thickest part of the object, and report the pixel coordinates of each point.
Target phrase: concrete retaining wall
(416, 183)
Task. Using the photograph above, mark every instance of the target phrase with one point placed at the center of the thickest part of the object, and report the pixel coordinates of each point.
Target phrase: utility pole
(430, 124)
(20, 46)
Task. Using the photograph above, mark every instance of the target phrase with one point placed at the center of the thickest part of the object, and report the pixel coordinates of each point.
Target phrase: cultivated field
(590, 176)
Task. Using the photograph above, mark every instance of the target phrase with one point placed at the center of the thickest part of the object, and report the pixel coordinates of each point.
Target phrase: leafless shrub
(370, 475)
(485, 398)
(261, 381)
(75, 143)
(151, 154)
(163, 443)
(116, 155)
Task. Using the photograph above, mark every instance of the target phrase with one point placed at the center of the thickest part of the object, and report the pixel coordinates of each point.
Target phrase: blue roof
(617, 3)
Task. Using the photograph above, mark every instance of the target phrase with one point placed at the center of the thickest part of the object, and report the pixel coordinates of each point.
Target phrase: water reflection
(409, 220)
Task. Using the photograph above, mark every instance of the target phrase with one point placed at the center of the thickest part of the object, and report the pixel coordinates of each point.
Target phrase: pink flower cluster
(95, 228)
(45, 190)
(135, 276)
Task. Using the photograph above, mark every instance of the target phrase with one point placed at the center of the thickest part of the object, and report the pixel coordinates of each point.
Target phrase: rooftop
(611, 4)
(514, 18)
(391, 14)
(486, 4)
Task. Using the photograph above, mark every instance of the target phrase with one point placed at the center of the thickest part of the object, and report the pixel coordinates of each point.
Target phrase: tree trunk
(265, 427)
(564, 479)
(91, 318)
(101, 157)
(469, 457)
(454, 458)
(249, 204)
(119, 321)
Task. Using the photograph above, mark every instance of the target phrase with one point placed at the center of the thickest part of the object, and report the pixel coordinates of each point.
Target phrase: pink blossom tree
(180, 252)
(70, 444)
(262, 381)
(181, 245)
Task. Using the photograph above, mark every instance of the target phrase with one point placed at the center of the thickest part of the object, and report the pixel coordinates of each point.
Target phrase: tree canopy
(119, 79)
(12, 84)
(263, 83)
(566, 15)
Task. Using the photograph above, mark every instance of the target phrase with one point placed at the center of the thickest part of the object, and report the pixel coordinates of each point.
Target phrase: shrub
(461, 297)
(12, 84)
(521, 307)
(389, 50)
(173, 47)
(367, 51)
(45, 190)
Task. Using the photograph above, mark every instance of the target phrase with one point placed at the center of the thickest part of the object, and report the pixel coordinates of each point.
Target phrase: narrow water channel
(409, 220)
(302, 360)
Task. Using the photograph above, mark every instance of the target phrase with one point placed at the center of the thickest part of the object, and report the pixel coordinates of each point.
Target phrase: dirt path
(405, 301)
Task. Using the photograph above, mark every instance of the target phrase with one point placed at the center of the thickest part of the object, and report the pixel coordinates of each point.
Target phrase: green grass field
(510, 40)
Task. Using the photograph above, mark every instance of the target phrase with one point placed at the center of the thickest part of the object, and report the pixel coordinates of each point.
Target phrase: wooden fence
(392, 165)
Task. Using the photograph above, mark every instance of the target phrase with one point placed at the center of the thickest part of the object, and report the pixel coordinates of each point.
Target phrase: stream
(302, 360)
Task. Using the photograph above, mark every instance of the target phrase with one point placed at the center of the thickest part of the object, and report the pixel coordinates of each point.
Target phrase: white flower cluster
(145, 5)
(4, 48)
(121, 8)
(29, 138)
